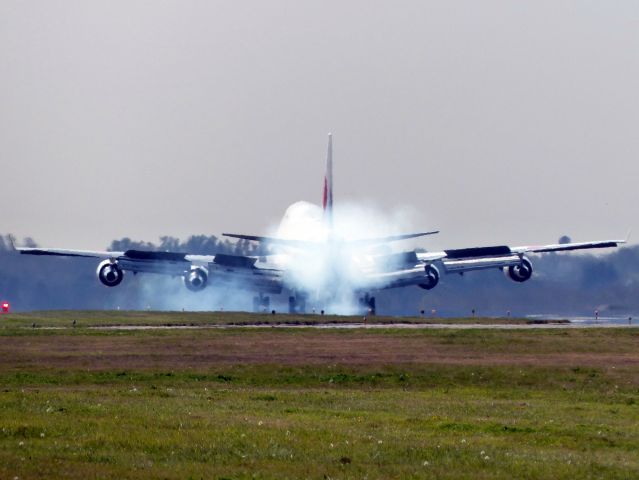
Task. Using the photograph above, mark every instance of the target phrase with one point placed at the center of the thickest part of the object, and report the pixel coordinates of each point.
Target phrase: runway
(372, 326)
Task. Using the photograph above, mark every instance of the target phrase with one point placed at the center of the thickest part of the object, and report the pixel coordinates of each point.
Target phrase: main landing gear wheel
(297, 304)
(261, 303)
(368, 302)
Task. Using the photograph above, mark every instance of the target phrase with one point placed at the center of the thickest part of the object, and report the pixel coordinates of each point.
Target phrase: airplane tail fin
(327, 199)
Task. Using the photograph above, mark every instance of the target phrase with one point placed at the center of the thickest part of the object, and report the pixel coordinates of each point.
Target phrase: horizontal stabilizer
(271, 240)
(392, 238)
(364, 242)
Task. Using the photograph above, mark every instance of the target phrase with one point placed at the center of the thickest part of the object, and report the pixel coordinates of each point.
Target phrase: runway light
(5, 307)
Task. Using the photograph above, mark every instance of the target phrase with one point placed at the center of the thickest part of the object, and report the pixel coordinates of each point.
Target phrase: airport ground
(81, 401)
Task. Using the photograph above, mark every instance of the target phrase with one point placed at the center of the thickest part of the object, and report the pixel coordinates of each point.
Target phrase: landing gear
(297, 304)
(291, 304)
(261, 303)
(368, 302)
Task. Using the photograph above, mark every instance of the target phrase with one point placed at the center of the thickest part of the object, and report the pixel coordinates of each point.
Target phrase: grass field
(297, 403)
(113, 318)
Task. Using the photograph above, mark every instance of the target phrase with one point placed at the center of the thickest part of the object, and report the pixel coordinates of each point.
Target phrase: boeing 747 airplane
(320, 268)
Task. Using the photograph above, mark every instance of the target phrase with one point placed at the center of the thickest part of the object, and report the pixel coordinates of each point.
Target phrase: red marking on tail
(325, 195)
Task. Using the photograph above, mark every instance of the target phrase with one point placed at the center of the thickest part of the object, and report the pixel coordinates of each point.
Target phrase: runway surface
(350, 326)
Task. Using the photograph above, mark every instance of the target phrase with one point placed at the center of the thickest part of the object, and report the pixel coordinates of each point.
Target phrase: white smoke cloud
(330, 270)
(160, 292)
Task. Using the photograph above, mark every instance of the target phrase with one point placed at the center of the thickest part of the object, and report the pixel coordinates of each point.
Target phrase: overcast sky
(496, 122)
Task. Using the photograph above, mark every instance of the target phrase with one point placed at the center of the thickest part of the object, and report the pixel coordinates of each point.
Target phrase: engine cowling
(431, 277)
(109, 273)
(196, 278)
(520, 273)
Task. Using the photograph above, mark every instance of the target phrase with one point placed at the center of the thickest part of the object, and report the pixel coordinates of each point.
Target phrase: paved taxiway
(350, 326)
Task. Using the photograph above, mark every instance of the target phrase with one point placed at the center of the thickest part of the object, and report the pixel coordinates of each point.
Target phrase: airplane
(321, 268)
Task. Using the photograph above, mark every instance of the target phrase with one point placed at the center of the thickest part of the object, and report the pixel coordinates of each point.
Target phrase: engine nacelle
(109, 273)
(431, 277)
(520, 273)
(196, 278)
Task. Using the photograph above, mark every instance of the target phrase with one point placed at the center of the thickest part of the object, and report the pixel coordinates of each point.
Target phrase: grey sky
(495, 121)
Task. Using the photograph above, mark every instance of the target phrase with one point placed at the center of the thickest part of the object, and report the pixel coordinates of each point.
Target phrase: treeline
(563, 284)
(195, 244)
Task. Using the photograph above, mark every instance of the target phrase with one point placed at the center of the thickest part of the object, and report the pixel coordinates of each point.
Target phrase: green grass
(305, 425)
(539, 416)
(62, 318)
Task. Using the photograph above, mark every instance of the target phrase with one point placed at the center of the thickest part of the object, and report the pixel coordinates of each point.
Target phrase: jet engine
(109, 273)
(195, 279)
(431, 277)
(520, 273)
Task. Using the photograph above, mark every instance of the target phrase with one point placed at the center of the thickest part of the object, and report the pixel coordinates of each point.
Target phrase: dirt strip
(186, 350)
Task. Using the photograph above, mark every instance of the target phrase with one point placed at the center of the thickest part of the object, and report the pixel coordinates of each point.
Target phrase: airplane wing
(423, 268)
(131, 259)
(560, 247)
(194, 269)
(61, 252)
(500, 256)
(133, 255)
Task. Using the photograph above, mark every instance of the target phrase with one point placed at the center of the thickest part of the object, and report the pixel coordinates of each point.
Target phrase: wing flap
(482, 263)
(478, 252)
(237, 261)
(272, 240)
(152, 255)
